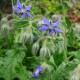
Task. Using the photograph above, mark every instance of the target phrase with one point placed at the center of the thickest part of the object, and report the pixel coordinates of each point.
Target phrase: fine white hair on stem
(12, 6)
(76, 73)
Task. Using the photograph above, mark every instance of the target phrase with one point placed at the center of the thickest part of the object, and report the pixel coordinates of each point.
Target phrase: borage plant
(37, 48)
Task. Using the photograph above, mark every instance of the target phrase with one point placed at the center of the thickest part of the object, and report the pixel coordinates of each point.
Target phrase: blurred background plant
(23, 46)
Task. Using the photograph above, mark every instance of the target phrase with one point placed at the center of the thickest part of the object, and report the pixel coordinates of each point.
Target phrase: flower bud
(29, 34)
(35, 48)
(40, 23)
(55, 18)
(76, 73)
(77, 28)
(26, 36)
(5, 28)
(4, 20)
(46, 67)
(44, 52)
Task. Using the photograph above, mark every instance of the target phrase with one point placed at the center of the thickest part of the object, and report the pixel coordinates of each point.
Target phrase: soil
(5, 8)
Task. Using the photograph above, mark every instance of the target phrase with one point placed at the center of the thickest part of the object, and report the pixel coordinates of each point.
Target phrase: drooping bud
(77, 26)
(4, 20)
(76, 73)
(29, 35)
(26, 36)
(44, 51)
(55, 18)
(46, 67)
(35, 48)
(5, 28)
(40, 23)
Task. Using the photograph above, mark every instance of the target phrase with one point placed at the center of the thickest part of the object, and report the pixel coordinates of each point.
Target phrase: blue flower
(24, 10)
(49, 26)
(37, 72)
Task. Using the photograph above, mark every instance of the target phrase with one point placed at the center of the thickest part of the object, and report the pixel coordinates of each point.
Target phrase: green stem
(41, 38)
(10, 40)
(65, 41)
(65, 47)
(12, 5)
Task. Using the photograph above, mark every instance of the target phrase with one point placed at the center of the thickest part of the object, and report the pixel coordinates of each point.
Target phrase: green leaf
(68, 22)
(12, 65)
(69, 4)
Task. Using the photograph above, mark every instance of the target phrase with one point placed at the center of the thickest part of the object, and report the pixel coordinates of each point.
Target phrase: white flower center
(23, 10)
(50, 27)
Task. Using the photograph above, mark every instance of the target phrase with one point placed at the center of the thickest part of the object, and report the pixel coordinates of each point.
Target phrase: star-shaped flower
(37, 72)
(49, 26)
(24, 10)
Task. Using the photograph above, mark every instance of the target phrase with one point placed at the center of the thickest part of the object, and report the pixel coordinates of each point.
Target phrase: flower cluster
(50, 26)
(21, 9)
(37, 72)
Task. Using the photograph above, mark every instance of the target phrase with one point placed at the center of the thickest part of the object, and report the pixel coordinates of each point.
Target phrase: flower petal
(51, 32)
(19, 4)
(23, 16)
(58, 30)
(39, 68)
(46, 21)
(56, 23)
(36, 74)
(28, 13)
(27, 8)
(16, 9)
(43, 28)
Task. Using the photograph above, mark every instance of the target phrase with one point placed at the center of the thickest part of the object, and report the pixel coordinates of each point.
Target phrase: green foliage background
(16, 58)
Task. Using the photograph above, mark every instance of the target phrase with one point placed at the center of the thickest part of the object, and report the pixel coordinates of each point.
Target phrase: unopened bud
(44, 52)
(4, 20)
(55, 18)
(5, 28)
(35, 48)
(40, 23)
(46, 67)
(76, 73)
(26, 36)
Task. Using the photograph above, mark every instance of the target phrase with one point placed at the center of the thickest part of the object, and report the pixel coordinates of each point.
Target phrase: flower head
(37, 72)
(24, 10)
(49, 26)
